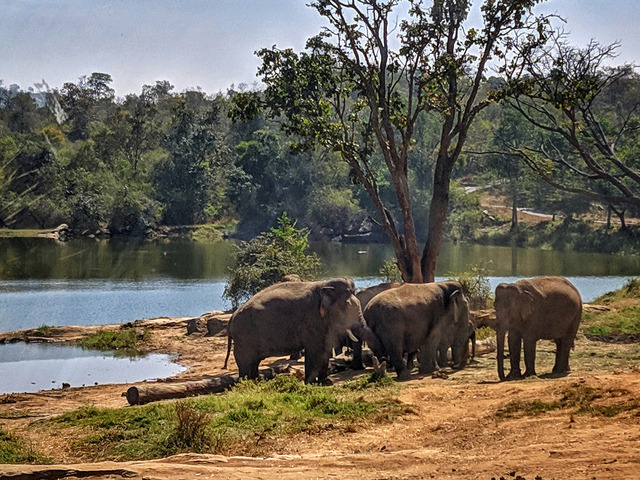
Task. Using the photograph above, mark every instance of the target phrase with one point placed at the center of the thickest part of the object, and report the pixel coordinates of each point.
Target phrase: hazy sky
(207, 43)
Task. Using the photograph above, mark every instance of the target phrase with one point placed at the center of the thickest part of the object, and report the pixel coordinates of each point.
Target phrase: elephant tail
(473, 344)
(226, 360)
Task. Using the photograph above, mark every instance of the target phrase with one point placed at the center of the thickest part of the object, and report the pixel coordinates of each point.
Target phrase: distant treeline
(82, 156)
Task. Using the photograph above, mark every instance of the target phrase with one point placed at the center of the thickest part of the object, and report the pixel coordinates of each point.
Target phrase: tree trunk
(514, 210)
(139, 395)
(620, 213)
(437, 219)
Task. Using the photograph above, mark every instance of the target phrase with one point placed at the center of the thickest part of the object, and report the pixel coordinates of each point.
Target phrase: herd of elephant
(400, 323)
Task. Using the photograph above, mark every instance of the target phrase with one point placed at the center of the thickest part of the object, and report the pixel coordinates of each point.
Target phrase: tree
(187, 183)
(586, 113)
(361, 92)
(270, 256)
(81, 102)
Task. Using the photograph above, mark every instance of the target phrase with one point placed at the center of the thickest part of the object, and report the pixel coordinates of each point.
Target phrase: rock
(196, 325)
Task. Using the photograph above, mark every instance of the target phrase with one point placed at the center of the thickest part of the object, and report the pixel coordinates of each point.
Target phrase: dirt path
(452, 431)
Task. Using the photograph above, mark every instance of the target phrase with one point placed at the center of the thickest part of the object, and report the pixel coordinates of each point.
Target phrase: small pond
(31, 367)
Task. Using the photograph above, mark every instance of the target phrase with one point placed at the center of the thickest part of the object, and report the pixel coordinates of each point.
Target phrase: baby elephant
(548, 308)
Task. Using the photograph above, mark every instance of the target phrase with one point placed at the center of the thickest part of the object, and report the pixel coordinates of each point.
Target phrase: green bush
(390, 271)
(267, 258)
(476, 287)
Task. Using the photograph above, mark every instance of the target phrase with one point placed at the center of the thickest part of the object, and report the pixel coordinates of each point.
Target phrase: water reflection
(130, 259)
(139, 260)
(89, 282)
(31, 367)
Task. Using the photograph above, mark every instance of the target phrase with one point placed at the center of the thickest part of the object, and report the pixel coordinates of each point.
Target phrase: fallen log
(142, 394)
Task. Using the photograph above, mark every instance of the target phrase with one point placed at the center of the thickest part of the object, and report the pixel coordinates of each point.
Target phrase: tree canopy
(366, 81)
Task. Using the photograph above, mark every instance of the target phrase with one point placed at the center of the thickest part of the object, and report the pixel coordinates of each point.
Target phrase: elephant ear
(530, 295)
(328, 295)
(457, 301)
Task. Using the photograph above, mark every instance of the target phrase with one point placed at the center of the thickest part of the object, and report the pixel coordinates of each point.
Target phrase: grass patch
(14, 450)
(44, 330)
(484, 333)
(624, 321)
(238, 422)
(580, 399)
(125, 341)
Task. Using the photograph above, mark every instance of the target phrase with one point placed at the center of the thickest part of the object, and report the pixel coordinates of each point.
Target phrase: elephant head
(514, 302)
(340, 308)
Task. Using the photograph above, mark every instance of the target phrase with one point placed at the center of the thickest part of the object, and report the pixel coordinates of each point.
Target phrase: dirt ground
(452, 431)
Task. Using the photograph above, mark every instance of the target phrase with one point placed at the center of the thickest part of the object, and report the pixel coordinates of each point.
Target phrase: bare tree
(586, 112)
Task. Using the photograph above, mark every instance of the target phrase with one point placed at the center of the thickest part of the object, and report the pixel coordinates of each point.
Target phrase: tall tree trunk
(514, 209)
(437, 218)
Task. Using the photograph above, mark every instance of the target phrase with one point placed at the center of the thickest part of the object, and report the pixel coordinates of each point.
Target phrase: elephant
(288, 317)
(365, 296)
(449, 340)
(548, 308)
(412, 318)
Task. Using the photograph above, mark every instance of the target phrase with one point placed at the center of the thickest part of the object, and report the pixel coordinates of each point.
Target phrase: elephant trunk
(500, 346)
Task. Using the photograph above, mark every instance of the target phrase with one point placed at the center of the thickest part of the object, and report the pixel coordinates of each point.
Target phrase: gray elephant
(548, 308)
(450, 340)
(287, 317)
(365, 296)
(413, 317)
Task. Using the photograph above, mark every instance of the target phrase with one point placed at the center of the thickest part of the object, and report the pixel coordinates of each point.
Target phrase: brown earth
(451, 432)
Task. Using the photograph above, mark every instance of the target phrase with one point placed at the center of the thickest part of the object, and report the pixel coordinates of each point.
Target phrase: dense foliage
(564, 141)
(268, 258)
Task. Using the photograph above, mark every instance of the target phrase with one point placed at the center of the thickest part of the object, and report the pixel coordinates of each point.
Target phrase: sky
(209, 44)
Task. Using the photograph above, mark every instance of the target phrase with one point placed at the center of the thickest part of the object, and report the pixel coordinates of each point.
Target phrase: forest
(563, 138)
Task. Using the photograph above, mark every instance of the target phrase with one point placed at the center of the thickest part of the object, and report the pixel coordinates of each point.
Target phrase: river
(95, 282)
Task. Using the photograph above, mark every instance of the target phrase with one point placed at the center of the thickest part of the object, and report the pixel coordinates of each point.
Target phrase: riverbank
(458, 425)
(534, 230)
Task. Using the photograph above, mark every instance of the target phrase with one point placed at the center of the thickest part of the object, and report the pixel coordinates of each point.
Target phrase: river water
(89, 282)
(97, 282)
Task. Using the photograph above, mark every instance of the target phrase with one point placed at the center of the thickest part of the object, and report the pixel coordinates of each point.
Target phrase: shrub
(476, 287)
(267, 258)
(192, 429)
(390, 271)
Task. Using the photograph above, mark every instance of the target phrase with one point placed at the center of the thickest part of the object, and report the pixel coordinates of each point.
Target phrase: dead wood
(142, 394)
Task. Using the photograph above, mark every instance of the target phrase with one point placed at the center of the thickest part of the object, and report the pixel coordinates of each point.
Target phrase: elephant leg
(563, 347)
(356, 363)
(427, 353)
(248, 369)
(530, 357)
(515, 345)
(396, 359)
(411, 358)
(442, 355)
(316, 367)
(323, 376)
(247, 363)
(427, 361)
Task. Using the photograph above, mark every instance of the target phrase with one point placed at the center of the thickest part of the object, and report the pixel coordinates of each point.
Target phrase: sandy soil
(452, 431)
